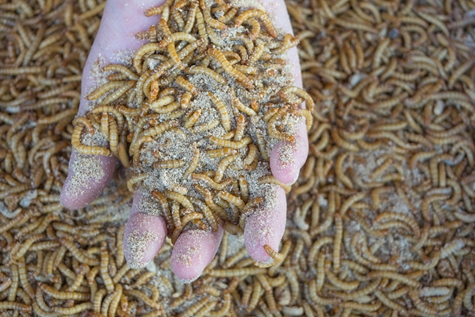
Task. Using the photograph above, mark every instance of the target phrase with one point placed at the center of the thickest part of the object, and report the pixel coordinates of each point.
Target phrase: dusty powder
(87, 169)
(138, 242)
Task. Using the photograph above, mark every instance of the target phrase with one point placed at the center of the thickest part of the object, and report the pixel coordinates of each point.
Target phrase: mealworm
(205, 127)
(182, 200)
(221, 59)
(236, 201)
(261, 15)
(241, 107)
(80, 256)
(205, 71)
(222, 166)
(225, 119)
(185, 84)
(272, 180)
(169, 164)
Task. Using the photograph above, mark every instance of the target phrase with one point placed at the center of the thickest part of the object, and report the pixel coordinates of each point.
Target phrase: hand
(145, 234)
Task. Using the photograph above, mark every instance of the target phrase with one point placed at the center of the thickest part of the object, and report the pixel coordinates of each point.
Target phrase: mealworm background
(383, 169)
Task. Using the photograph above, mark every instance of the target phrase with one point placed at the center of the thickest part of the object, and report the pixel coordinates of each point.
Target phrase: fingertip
(287, 159)
(144, 236)
(193, 251)
(266, 227)
(87, 178)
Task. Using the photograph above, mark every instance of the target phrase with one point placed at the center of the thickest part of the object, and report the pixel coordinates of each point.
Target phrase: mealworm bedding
(392, 260)
(199, 113)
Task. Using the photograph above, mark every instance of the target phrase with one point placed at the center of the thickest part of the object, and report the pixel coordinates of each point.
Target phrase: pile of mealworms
(210, 78)
(380, 221)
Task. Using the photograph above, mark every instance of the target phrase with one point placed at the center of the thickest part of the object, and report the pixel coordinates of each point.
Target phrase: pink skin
(121, 20)
(141, 223)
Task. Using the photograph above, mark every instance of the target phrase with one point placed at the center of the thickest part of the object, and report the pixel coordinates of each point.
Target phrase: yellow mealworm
(225, 119)
(236, 201)
(230, 144)
(62, 294)
(78, 254)
(84, 149)
(185, 84)
(221, 152)
(205, 127)
(185, 100)
(169, 164)
(240, 127)
(192, 119)
(272, 180)
(221, 59)
(261, 15)
(182, 200)
(222, 166)
(205, 71)
(25, 246)
(337, 243)
(243, 186)
(210, 182)
(276, 256)
(239, 105)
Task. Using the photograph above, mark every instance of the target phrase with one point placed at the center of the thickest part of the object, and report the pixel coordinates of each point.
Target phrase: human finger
(287, 158)
(144, 235)
(121, 20)
(266, 227)
(193, 251)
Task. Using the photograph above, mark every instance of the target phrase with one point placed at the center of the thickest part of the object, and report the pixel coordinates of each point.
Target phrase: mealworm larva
(243, 186)
(205, 71)
(78, 254)
(276, 256)
(169, 164)
(221, 59)
(240, 127)
(230, 144)
(74, 309)
(182, 200)
(236, 201)
(99, 92)
(15, 306)
(104, 268)
(222, 166)
(221, 152)
(225, 119)
(342, 142)
(350, 201)
(261, 15)
(209, 217)
(394, 276)
(241, 107)
(134, 180)
(262, 146)
(84, 149)
(209, 20)
(340, 173)
(63, 294)
(210, 182)
(421, 305)
(272, 180)
(185, 84)
(25, 246)
(399, 216)
(192, 119)
(337, 243)
(205, 127)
